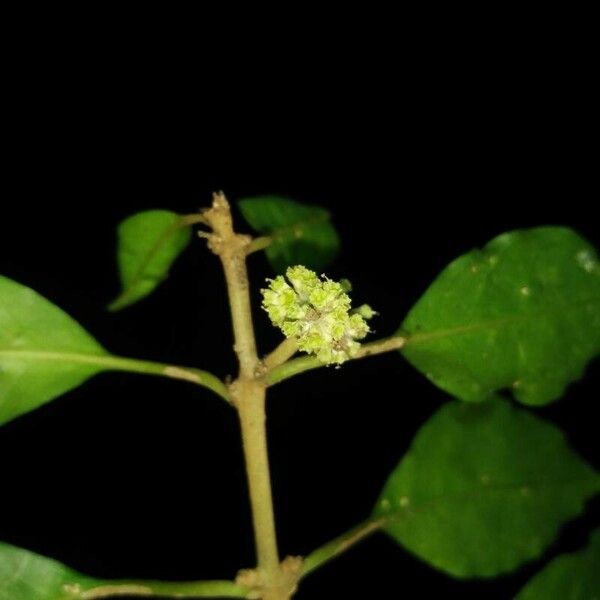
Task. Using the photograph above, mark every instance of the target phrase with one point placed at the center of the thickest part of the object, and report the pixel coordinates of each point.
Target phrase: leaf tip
(119, 303)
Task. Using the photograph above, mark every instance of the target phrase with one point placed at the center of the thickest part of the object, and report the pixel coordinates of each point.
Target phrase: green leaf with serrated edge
(43, 352)
(573, 576)
(483, 489)
(301, 234)
(148, 244)
(28, 576)
(522, 313)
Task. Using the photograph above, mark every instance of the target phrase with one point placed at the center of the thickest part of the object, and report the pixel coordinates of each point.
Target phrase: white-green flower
(316, 311)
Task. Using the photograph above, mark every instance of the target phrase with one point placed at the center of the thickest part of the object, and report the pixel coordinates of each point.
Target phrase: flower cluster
(317, 313)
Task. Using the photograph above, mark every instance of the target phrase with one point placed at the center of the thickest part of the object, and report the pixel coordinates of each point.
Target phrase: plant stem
(231, 249)
(109, 362)
(281, 354)
(193, 219)
(339, 545)
(259, 243)
(248, 395)
(306, 363)
(250, 400)
(194, 589)
(197, 376)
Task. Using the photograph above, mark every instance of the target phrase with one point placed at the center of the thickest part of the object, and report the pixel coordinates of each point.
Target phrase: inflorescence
(316, 312)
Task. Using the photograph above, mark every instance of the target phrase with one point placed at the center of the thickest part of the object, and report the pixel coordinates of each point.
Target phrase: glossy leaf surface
(573, 576)
(28, 576)
(522, 313)
(148, 244)
(483, 489)
(43, 351)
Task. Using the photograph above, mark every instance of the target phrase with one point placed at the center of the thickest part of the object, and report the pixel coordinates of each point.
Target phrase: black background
(129, 476)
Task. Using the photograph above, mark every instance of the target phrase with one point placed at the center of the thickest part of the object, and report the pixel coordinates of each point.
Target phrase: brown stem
(248, 395)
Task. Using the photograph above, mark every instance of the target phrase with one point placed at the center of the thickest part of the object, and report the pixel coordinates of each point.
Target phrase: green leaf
(301, 234)
(483, 489)
(28, 576)
(43, 352)
(148, 244)
(568, 577)
(523, 313)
